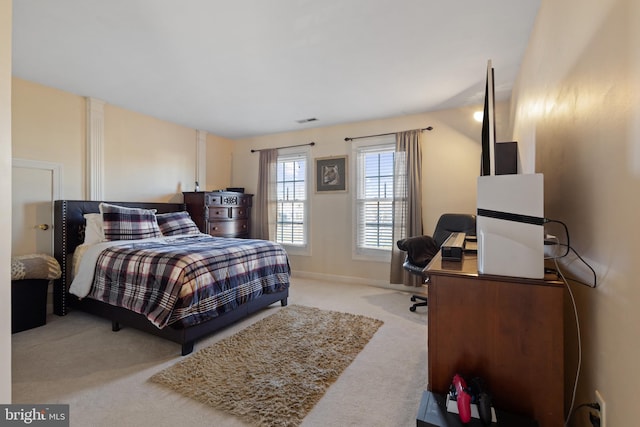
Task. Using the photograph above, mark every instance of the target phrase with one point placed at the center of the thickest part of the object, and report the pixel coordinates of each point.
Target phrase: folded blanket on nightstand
(35, 266)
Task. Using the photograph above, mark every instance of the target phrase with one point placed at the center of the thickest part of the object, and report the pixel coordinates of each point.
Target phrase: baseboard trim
(356, 281)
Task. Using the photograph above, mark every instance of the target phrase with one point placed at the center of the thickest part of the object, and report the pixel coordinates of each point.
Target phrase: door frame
(56, 178)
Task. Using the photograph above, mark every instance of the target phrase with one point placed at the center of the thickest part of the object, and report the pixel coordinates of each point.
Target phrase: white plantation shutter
(291, 184)
(374, 196)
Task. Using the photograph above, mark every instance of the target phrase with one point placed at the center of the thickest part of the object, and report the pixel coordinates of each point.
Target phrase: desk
(506, 330)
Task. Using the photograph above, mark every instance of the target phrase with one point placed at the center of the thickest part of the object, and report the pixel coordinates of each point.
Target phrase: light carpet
(275, 370)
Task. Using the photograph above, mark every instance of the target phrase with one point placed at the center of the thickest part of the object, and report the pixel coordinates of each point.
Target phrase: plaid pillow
(176, 223)
(120, 223)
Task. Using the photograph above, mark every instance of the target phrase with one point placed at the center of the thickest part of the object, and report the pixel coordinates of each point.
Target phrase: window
(374, 197)
(291, 186)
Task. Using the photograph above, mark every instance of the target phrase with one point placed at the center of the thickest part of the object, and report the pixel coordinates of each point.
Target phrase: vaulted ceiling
(240, 68)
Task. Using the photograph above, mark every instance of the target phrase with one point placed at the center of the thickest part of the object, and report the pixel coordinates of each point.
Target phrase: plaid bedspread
(189, 279)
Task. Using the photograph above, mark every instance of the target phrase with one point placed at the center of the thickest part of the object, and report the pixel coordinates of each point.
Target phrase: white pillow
(94, 230)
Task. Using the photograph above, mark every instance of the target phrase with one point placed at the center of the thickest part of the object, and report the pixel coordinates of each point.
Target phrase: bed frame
(69, 225)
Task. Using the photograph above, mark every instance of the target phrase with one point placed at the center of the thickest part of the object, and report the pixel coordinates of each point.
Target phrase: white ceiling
(240, 68)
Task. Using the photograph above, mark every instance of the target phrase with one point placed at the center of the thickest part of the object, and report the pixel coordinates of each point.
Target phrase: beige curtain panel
(265, 226)
(407, 201)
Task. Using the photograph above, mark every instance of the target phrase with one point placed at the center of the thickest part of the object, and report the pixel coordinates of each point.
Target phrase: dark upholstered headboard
(69, 226)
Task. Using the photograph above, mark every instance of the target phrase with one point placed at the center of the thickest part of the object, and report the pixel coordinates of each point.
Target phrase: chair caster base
(415, 298)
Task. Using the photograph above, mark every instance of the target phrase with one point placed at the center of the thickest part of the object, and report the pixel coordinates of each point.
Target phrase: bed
(258, 285)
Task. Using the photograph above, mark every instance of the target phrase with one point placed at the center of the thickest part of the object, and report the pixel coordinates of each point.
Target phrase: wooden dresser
(507, 330)
(220, 213)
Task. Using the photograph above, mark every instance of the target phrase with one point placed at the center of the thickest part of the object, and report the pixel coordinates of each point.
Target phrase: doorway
(35, 185)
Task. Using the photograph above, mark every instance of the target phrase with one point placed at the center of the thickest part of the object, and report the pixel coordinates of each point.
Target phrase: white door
(35, 185)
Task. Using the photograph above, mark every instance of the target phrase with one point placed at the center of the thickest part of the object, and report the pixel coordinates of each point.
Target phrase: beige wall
(146, 158)
(219, 160)
(5, 200)
(49, 125)
(577, 109)
(451, 163)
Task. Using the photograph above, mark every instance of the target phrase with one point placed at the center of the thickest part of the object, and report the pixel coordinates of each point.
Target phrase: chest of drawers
(220, 213)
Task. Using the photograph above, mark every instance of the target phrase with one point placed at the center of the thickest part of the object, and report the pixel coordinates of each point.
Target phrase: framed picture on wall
(331, 174)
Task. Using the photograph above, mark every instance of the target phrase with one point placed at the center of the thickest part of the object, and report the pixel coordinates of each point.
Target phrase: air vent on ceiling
(311, 119)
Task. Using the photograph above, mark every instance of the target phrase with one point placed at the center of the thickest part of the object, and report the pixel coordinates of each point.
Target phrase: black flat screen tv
(489, 126)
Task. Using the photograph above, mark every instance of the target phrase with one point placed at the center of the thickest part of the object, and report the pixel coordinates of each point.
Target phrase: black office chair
(421, 249)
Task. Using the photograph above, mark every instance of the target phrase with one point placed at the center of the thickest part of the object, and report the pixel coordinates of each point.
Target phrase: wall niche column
(95, 149)
(201, 158)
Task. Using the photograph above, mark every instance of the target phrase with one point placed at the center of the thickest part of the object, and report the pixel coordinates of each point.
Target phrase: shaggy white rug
(273, 372)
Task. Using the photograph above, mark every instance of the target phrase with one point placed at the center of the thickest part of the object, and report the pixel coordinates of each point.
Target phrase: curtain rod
(382, 134)
(288, 146)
